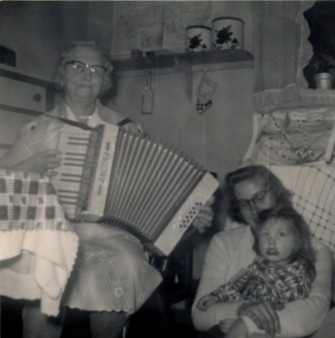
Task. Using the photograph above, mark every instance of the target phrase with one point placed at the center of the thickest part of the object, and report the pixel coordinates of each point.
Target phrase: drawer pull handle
(37, 97)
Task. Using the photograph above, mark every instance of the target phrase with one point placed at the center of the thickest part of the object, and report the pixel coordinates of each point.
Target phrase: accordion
(132, 182)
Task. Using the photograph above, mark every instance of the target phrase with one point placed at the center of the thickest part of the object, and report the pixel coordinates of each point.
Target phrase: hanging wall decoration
(205, 93)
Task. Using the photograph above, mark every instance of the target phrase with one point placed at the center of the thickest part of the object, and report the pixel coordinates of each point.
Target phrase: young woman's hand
(237, 330)
(205, 216)
(226, 324)
(205, 302)
(264, 315)
(42, 163)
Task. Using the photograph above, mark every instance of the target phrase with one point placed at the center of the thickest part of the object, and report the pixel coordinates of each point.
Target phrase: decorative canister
(227, 33)
(198, 38)
(324, 81)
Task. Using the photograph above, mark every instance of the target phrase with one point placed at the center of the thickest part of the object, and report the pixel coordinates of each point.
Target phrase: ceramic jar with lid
(198, 38)
(227, 33)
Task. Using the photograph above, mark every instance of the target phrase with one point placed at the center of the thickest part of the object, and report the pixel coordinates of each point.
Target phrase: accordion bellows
(132, 182)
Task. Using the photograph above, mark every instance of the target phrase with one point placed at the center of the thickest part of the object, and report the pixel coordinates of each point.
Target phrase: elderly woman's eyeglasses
(80, 67)
(258, 198)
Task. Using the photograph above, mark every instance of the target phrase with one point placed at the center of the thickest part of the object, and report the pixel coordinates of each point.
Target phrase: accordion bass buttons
(179, 224)
(186, 214)
(190, 215)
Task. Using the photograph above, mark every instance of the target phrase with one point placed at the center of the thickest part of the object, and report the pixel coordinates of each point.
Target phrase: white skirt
(111, 273)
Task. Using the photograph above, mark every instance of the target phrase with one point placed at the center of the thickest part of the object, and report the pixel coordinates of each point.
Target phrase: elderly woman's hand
(42, 163)
(205, 216)
(132, 127)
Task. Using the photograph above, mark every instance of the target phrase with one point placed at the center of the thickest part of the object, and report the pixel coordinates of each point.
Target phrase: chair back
(313, 189)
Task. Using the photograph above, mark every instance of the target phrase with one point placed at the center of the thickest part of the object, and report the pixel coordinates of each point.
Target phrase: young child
(283, 269)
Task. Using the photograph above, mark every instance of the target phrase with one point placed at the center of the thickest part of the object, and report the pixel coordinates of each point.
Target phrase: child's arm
(206, 301)
(227, 293)
(231, 292)
(215, 273)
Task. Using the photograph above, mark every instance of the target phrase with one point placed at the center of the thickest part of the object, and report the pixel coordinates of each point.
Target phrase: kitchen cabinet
(22, 98)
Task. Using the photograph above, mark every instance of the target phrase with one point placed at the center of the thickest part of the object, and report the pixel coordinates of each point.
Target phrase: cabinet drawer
(19, 94)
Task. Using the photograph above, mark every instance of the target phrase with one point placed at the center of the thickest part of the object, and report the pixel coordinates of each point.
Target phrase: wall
(217, 139)
(100, 22)
(38, 31)
(242, 10)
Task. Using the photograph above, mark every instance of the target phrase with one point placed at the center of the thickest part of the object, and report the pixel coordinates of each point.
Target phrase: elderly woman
(251, 190)
(112, 277)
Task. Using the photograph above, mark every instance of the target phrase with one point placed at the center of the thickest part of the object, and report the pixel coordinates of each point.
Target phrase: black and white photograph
(167, 169)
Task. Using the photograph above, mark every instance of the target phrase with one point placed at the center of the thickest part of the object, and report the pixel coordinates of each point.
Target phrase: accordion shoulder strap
(71, 123)
(124, 122)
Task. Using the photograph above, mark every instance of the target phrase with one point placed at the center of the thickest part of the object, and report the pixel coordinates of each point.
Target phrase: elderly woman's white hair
(60, 70)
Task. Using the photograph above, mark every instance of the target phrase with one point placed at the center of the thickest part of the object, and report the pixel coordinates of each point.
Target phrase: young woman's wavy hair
(299, 227)
(92, 45)
(257, 173)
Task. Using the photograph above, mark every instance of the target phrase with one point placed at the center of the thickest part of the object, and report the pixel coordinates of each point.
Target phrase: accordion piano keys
(68, 181)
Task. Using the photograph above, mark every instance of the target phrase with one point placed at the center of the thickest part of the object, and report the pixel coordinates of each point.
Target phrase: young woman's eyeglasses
(258, 198)
(80, 67)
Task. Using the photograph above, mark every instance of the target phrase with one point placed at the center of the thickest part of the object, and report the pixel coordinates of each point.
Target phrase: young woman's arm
(222, 256)
(303, 317)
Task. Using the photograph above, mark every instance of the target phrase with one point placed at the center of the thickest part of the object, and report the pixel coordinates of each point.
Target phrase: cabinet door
(22, 95)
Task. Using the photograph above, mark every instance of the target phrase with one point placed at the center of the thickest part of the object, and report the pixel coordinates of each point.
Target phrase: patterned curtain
(277, 45)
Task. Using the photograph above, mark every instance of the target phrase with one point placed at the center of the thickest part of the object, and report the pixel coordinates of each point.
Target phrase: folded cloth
(34, 232)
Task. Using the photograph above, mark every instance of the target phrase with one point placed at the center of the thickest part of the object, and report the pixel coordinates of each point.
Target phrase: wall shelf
(173, 63)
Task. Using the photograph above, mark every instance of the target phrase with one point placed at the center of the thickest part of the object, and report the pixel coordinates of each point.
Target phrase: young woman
(283, 269)
(251, 190)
